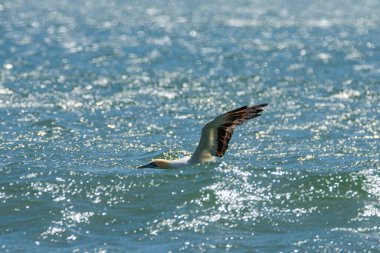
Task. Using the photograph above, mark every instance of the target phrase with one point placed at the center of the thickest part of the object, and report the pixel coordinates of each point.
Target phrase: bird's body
(214, 139)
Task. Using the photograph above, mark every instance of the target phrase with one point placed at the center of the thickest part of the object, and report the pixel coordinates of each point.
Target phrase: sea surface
(89, 90)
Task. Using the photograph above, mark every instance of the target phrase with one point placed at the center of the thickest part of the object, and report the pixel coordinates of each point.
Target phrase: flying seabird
(214, 139)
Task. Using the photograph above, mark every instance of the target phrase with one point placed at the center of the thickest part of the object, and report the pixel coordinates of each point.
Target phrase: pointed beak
(149, 165)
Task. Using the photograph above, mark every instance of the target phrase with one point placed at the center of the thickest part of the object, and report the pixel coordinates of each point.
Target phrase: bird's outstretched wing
(217, 133)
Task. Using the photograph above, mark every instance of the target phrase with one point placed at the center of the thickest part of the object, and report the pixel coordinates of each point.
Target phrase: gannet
(214, 139)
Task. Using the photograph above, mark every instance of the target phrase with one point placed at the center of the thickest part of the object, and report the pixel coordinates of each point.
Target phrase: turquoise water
(89, 90)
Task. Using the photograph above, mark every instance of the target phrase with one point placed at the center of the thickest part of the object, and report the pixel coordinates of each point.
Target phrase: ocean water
(89, 90)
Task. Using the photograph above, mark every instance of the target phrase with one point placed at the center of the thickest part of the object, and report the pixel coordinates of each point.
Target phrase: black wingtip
(257, 108)
(248, 107)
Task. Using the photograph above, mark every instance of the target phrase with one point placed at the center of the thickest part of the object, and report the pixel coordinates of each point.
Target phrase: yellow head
(157, 163)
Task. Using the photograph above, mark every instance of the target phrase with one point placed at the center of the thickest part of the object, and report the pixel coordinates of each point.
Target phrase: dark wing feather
(233, 119)
(217, 134)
